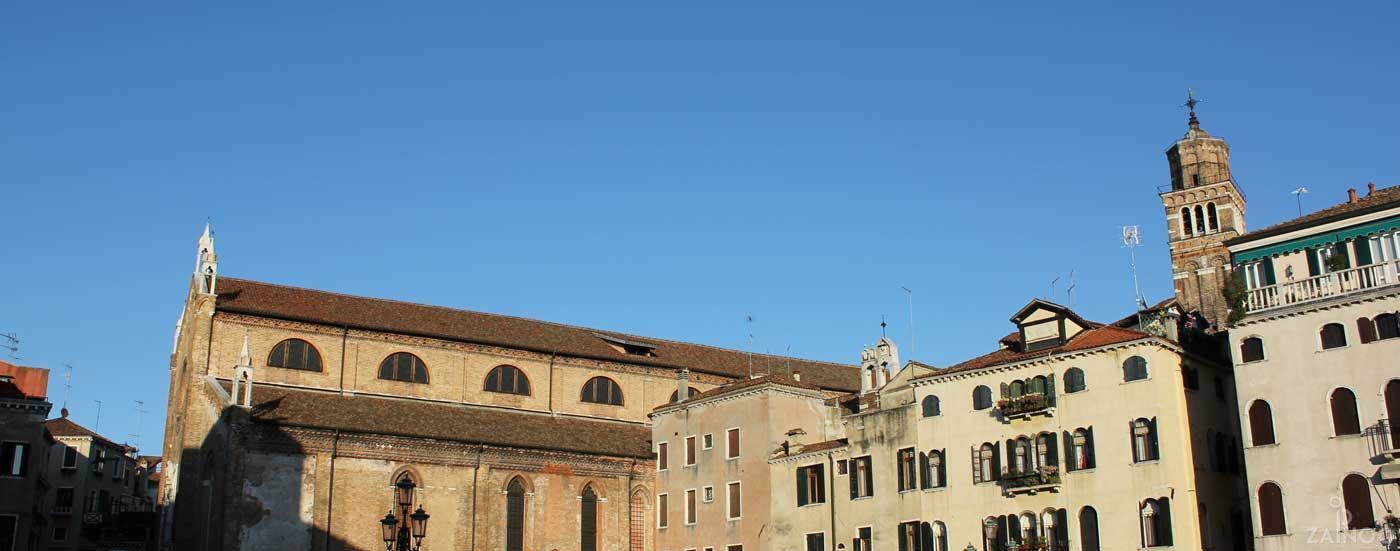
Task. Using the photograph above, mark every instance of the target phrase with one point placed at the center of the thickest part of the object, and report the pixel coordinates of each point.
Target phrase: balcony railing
(1039, 479)
(1026, 405)
(1035, 544)
(1323, 286)
(61, 509)
(1384, 439)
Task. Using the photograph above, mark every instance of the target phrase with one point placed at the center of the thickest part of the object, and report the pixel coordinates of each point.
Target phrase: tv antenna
(1132, 238)
(98, 424)
(910, 293)
(748, 321)
(1298, 196)
(140, 409)
(1069, 291)
(11, 344)
(1054, 283)
(67, 384)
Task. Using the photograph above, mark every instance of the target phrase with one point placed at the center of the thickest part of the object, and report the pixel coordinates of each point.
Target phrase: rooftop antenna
(1069, 291)
(1298, 196)
(67, 385)
(748, 319)
(787, 360)
(11, 344)
(1132, 239)
(98, 425)
(140, 409)
(910, 293)
(1053, 284)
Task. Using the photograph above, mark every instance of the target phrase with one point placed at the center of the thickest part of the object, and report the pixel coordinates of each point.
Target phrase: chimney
(1370, 189)
(682, 385)
(1351, 195)
(797, 376)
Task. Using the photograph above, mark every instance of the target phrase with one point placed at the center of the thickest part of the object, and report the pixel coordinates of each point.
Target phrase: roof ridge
(533, 320)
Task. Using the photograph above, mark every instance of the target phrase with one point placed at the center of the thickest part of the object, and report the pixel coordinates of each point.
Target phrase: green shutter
(1341, 248)
(1268, 271)
(1363, 251)
(802, 498)
(851, 476)
(1314, 269)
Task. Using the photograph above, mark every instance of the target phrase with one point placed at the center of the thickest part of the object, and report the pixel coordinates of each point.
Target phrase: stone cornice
(1046, 360)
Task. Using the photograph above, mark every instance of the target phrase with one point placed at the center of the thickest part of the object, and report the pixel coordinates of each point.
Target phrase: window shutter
(996, 462)
(1341, 248)
(821, 483)
(802, 498)
(926, 537)
(1071, 456)
(899, 466)
(923, 470)
(1367, 329)
(1314, 268)
(869, 476)
(1050, 390)
(1152, 439)
(1268, 264)
(1051, 453)
(851, 474)
(1363, 252)
(1132, 436)
(903, 542)
(1005, 391)
(1164, 521)
(976, 465)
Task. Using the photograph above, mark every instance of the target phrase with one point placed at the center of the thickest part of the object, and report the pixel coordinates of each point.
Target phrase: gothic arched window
(403, 366)
(638, 521)
(1186, 227)
(295, 354)
(602, 390)
(1261, 423)
(930, 406)
(1213, 221)
(588, 519)
(515, 515)
(1271, 519)
(1200, 220)
(1344, 418)
(1074, 380)
(981, 397)
(507, 379)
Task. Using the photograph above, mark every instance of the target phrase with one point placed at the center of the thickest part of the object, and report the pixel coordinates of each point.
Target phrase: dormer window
(1044, 324)
(629, 347)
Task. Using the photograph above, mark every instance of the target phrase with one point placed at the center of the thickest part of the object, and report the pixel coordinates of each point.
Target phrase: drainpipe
(831, 496)
(330, 491)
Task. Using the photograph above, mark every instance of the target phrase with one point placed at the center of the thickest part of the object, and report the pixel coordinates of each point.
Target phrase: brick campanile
(1203, 209)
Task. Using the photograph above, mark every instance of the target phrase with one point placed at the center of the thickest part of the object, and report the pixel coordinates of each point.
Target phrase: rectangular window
(9, 530)
(811, 484)
(734, 547)
(862, 541)
(707, 442)
(707, 494)
(60, 533)
(862, 478)
(816, 542)
(909, 535)
(689, 451)
(14, 459)
(661, 456)
(661, 520)
(907, 472)
(70, 457)
(840, 466)
(732, 449)
(690, 506)
(734, 501)
(63, 498)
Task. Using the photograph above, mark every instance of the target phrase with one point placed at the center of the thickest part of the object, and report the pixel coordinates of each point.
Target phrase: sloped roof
(773, 378)
(62, 426)
(1101, 335)
(322, 307)
(1380, 199)
(329, 410)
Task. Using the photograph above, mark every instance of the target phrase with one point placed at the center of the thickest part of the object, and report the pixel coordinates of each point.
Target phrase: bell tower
(206, 264)
(1204, 208)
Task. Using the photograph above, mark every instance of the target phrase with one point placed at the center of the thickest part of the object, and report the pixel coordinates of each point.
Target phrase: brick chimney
(1351, 195)
(1370, 188)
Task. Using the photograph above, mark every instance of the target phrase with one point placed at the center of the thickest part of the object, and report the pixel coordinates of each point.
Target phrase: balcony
(1025, 406)
(1384, 440)
(1035, 544)
(1040, 479)
(61, 509)
(1323, 287)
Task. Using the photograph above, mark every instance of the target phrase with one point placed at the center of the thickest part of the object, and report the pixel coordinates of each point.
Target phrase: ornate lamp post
(989, 529)
(405, 532)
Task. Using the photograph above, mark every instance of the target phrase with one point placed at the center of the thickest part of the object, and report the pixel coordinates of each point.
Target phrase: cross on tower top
(1191, 103)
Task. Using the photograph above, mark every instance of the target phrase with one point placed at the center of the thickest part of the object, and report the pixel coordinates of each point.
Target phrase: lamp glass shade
(419, 520)
(387, 524)
(403, 490)
(990, 528)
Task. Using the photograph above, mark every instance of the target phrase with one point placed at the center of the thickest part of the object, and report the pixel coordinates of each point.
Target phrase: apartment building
(24, 448)
(97, 498)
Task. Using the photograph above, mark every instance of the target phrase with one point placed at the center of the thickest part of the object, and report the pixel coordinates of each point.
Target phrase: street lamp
(989, 529)
(406, 531)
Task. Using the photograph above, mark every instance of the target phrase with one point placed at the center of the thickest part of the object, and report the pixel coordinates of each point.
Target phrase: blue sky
(657, 168)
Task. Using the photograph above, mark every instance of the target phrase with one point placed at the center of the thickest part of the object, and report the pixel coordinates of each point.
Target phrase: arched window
(515, 515)
(1046, 454)
(1021, 457)
(1134, 369)
(1356, 494)
(690, 392)
(1200, 220)
(508, 379)
(1271, 521)
(1333, 336)
(1080, 449)
(402, 366)
(1074, 380)
(1017, 389)
(602, 390)
(1212, 220)
(930, 406)
(1144, 440)
(1344, 418)
(1392, 410)
(940, 536)
(934, 475)
(295, 354)
(1261, 423)
(984, 466)
(1037, 385)
(1387, 326)
(638, 518)
(1252, 349)
(1089, 529)
(1156, 522)
(1186, 226)
(588, 519)
(981, 397)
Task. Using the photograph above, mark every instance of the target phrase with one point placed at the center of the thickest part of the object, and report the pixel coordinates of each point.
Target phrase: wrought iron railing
(1039, 476)
(1384, 438)
(1323, 286)
(1024, 404)
(1034, 544)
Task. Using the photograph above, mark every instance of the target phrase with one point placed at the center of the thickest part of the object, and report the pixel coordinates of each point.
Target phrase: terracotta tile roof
(748, 383)
(454, 422)
(63, 427)
(1380, 199)
(1102, 335)
(279, 301)
(827, 445)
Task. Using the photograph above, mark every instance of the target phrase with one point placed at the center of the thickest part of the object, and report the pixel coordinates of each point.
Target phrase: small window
(1333, 336)
(70, 457)
(1212, 220)
(1074, 380)
(905, 466)
(661, 517)
(1387, 326)
(661, 456)
(60, 533)
(707, 441)
(507, 379)
(1271, 519)
(1134, 369)
(811, 484)
(602, 390)
(1252, 349)
(862, 481)
(816, 542)
(707, 494)
(734, 502)
(1190, 378)
(930, 406)
(1345, 421)
(1144, 440)
(1186, 227)
(14, 459)
(1261, 423)
(731, 450)
(690, 506)
(981, 397)
(295, 354)
(403, 366)
(689, 451)
(840, 466)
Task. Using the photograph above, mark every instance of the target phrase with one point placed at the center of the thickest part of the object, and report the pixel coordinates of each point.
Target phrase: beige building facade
(97, 496)
(1317, 353)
